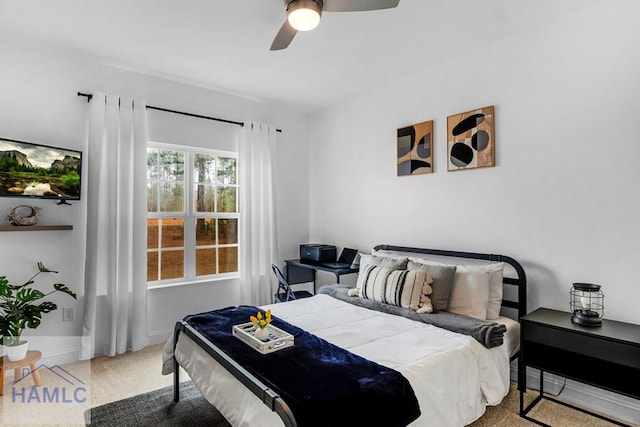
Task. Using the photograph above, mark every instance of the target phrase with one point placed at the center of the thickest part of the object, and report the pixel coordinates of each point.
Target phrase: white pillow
(470, 293)
(392, 254)
(496, 272)
(495, 290)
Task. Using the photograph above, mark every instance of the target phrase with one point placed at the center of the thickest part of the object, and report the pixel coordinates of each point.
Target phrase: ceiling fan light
(304, 15)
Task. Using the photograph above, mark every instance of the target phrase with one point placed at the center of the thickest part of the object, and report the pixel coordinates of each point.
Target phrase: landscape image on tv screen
(34, 170)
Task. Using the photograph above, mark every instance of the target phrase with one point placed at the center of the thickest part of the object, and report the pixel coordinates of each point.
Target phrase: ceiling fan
(304, 15)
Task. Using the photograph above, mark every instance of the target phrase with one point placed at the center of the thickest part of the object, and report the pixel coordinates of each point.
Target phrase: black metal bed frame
(270, 398)
(264, 393)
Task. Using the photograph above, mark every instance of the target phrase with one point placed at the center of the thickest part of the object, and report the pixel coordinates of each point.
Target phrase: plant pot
(16, 352)
(262, 334)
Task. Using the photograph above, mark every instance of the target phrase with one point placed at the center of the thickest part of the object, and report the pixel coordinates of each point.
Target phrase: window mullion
(189, 227)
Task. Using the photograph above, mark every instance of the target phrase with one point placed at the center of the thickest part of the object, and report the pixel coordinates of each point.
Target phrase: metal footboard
(264, 393)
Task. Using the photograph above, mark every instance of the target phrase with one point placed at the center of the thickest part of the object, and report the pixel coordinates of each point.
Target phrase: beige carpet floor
(135, 373)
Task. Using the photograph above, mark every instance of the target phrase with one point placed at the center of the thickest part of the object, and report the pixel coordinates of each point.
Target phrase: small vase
(16, 352)
(262, 334)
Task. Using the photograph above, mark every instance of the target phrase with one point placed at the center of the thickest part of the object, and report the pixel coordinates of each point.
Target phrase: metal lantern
(587, 304)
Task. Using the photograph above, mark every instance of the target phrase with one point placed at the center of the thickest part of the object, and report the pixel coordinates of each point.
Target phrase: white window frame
(190, 216)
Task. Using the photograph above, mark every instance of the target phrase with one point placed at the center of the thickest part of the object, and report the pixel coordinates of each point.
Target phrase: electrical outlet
(67, 314)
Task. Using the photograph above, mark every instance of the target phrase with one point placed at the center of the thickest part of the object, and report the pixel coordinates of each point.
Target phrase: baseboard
(51, 358)
(62, 357)
(612, 404)
(159, 337)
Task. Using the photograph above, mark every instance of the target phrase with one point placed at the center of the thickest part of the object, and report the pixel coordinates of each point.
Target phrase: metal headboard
(520, 282)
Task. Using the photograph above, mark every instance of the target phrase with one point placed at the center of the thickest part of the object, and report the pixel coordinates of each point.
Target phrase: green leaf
(33, 323)
(5, 290)
(4, 326)
(63, 288)
(47, 307)
(44, 269)
(25, 295)
(32, 316)
(14, 287)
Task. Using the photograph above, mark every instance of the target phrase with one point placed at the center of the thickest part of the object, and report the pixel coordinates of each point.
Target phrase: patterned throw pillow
(403, 288)
(380, 261)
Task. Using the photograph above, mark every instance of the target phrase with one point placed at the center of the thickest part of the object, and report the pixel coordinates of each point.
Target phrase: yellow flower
(261, 321)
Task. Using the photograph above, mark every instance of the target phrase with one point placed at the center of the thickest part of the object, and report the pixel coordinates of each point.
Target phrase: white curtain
(115, 314)
(258, 234)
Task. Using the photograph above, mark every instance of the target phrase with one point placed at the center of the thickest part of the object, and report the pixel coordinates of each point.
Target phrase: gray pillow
(394, 263)
(442, 276)
(379, 261)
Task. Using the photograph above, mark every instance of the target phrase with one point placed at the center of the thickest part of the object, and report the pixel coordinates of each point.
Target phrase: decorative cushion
(496, 272)
(495, 290)
(442, 276)
(403, 288)
(470, 293)
(386, 262)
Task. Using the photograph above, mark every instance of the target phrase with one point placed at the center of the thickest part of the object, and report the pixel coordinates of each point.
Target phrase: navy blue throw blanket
(323, 384)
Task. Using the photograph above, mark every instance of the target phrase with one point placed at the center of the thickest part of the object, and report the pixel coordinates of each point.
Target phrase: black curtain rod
(151, 107)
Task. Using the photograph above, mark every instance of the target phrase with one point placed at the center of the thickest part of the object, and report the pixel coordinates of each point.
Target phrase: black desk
(298, 271)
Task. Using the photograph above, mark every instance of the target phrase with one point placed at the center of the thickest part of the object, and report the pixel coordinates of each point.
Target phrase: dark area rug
(157, 408)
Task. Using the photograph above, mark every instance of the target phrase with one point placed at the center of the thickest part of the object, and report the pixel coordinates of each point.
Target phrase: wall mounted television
(32, 170)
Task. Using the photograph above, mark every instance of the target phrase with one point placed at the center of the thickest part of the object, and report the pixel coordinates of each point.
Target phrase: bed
(455, 362)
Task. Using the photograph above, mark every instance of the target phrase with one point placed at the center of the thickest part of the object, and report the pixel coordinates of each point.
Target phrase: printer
(316, 252)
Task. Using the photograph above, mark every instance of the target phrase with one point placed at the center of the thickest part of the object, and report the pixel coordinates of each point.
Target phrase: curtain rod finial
(88, 95)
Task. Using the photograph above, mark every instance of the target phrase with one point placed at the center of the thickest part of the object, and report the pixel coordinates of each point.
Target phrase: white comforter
(453, 376)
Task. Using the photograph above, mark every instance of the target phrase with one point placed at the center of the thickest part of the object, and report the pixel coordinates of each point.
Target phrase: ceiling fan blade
(284, 37)
(358, 5)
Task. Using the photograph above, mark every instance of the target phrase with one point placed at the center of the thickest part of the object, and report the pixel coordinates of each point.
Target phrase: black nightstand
(607, 356)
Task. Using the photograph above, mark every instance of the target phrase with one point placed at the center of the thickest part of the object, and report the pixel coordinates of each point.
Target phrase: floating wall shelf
(35, 227)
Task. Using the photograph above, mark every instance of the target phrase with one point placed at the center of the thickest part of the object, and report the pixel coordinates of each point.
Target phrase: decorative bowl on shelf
(23, 215)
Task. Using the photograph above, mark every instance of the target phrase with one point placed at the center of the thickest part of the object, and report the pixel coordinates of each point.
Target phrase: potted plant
(261, 331)
(21, 307)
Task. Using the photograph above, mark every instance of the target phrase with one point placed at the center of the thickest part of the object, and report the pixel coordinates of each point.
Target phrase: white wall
(563, 198)
(39, 104)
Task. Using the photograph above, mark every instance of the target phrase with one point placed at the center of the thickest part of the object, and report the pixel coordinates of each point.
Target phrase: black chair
(284, 292)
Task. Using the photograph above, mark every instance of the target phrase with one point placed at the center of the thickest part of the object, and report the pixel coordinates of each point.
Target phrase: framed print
(415, 149)
(470, 139)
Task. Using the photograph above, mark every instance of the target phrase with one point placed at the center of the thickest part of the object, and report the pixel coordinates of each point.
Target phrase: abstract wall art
(470, 139)
(415, 149)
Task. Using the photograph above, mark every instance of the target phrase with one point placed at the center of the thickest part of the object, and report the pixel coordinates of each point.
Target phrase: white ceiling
(224, 44)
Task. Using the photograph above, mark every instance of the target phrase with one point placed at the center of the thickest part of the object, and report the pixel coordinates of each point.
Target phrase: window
(192, 214)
